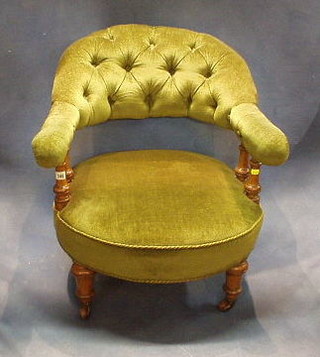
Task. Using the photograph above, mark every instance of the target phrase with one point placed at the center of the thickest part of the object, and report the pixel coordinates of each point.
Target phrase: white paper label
(60, 175)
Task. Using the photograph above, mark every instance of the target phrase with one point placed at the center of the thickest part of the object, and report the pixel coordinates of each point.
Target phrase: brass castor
(225, 305)
(85, 311)
(233, 286)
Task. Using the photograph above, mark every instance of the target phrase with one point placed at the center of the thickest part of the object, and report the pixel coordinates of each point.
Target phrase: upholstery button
(171, 64)
(86, 93)
(95, 62)
(207, 72)
(111, 99)
(149, 100)
(128, 63)
(189, 100)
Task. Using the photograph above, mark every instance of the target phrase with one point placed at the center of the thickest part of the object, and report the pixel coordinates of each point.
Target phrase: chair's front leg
(85, 291)
(233, 286)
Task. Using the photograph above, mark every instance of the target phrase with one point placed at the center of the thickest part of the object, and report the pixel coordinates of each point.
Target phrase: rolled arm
(51, 144)
(262, 139)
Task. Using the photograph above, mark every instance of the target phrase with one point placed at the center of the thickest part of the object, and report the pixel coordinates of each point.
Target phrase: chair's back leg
(233, 286)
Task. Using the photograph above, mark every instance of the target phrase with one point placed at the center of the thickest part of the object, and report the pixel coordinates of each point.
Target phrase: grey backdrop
(278, 314)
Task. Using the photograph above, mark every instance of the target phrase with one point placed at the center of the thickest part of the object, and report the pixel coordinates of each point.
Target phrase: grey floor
(278, 314)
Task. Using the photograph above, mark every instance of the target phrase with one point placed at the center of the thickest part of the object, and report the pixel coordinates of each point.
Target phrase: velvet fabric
(259, 136)
(140, 71)
(157, 216)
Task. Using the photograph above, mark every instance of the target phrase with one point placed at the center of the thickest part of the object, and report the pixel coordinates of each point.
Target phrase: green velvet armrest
(51, 144)
(262, 139)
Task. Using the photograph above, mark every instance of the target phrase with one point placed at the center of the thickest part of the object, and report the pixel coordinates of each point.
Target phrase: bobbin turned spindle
(61, 188)
(252, 185)
(242, 170)
(69, 170)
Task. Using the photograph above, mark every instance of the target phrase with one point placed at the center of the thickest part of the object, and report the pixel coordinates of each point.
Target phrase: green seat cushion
(157, 216)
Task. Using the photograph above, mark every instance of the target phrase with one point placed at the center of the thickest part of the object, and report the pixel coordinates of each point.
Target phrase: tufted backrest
(139, 71)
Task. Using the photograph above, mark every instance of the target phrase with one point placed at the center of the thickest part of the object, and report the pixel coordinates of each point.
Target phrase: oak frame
(247, 171)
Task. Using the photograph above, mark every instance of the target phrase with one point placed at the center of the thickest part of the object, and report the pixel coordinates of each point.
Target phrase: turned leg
(85, 292)
(233, 286)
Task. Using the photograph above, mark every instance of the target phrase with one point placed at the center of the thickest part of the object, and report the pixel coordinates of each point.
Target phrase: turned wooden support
(252, 186)
(233, 286)
(85, 291)
(69, 170)
(61, 188)
(242, 169)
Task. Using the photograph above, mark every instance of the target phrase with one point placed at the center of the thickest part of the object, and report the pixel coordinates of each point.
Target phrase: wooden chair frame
(247, 171)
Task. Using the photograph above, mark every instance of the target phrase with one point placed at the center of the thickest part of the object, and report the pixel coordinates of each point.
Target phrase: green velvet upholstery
(157, 216)
(139, 71)
(258, 135)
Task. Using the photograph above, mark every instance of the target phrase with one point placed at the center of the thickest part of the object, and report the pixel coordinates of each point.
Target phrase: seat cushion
(157, 216)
